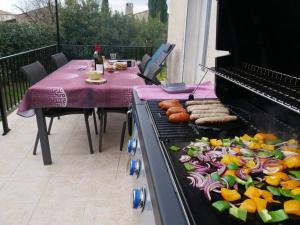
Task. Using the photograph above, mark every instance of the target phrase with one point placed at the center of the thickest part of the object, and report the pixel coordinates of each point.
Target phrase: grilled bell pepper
(270, 137)
(274, 190)
(188, 166)
(253, 192)
(260, 203)
(254, 145)
(232, 166)
(278, 216)
(292, 207)
(230, 179)
(250, 164)
(272, 180)
(216, 142)
(268, 147)
(238, 213)
(226, 142)
(259, 136)
(295, 173)
(296, 191)
(230, 173)
(230, 195)
(281, 176)
(292, 162)
(290, 184)
(278, 154)
(264, 215)
(249, 205)
(246, 137)
(174, 148)
(268, 196)
(221, 205)
(292, 142)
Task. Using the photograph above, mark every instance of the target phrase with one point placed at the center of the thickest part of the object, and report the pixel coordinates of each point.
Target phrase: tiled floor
(78, 188)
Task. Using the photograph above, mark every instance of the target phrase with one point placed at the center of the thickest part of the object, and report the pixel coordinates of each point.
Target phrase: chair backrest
(59, 59)
(34, 72)
(146, 58)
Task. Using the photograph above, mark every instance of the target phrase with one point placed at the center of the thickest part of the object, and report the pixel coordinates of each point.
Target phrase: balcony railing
(13, 84)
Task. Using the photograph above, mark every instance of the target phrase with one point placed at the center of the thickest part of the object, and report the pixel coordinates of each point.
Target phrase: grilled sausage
(203, 102)
(215, 110)
(216, 119)
(199, 107)
(205, 115)
(169, 103)
(179, 117)
(173, 110)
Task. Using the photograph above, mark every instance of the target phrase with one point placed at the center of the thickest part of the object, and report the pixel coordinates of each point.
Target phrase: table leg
(41, 122)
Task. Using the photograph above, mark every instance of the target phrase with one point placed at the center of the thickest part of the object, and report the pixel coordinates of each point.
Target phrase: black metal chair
(150, 74)
(35, 72)
(102, 114)
(59, 59)
(146, 58)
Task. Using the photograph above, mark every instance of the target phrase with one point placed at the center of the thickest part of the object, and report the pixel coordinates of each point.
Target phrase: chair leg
(36, 143)
(86, 118)
(101, 118)
(95, 122)
(105, 122)
(50, 125)
(123, 135)
(129, 121)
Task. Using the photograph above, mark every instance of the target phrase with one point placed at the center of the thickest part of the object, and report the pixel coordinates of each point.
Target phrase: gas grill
(258, 81)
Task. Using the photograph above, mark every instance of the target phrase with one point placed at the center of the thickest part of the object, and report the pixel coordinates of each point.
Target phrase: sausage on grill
(199, 107)
(175, 109)
(203, 102)
(206, 115)
(215, 110)
(216, 119)
(169, 103)
(179, 117)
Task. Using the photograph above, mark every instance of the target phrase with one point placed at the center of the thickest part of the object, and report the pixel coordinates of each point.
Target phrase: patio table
(66, 87)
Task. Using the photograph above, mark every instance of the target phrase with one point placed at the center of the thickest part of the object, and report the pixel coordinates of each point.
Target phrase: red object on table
(66, 87)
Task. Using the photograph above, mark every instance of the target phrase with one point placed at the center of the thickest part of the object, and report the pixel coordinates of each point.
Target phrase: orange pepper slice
(249, 205)
(230, 195)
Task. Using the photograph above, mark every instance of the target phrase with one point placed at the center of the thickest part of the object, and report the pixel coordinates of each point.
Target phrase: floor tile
(23, 190)
(58, 213)
(15, 213)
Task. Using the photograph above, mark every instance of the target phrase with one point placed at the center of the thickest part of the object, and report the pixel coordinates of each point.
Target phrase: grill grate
(166, 130)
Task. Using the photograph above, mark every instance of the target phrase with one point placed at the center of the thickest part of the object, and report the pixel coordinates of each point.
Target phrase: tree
(158, 8)
(105, 7)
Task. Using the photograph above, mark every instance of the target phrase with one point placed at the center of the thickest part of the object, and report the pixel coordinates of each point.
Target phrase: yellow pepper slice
(216, 142)
(260, 203)
(227, 159)
(292, 207)
(268, 147)
(249, 205)
(266, 195)
(259, 136)
(246, 137)
(281, 176)
(254, 145)
(292, 142)
(250, 163)
(272, 180)
(253, 192)
(296, 191)
(290, 184)
(230, 195)
(293, 161)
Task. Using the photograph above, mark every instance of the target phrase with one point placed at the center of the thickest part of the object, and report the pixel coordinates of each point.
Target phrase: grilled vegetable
(292, 207)
(221, 205)
(230, 195)
(249, 205)
(174, 148)
(295, 173)
(238, 213)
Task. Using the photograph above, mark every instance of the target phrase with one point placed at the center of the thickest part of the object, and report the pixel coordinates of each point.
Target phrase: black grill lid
(261, 32)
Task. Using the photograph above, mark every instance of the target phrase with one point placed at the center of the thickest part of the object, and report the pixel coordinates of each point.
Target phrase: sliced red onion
(241, 174)
(288, 154)
(222, 169)
(202, 169)
(259, 179)
(203, 158)
(294, 178)
(236, 186)
(197, 180)
(257, 168)
(185, 158)
(271, 163)
(210, 187)
(226, 182)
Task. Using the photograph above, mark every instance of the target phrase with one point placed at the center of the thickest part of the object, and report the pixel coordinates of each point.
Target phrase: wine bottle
(99, 65)
(96, 56)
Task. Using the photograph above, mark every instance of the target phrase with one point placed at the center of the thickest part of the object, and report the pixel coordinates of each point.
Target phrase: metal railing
(122, 52)
(13, 84)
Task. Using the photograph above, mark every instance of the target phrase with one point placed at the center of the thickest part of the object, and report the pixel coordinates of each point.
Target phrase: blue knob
(131, 146)
(132, 167)
(136, 198)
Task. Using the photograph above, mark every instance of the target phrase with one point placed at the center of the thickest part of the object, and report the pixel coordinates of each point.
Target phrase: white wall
(176, 35)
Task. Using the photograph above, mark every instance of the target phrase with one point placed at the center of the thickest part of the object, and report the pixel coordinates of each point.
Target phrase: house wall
(199, 40)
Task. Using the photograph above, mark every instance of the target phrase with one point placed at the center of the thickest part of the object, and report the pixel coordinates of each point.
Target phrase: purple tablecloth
(66, 87)
(148, 92)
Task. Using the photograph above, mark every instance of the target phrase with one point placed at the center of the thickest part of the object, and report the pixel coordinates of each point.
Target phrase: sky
(138, 5)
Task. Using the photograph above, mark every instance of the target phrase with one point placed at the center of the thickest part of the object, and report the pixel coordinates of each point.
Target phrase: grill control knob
(131, 146)
(134, 167)
(139, 197)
